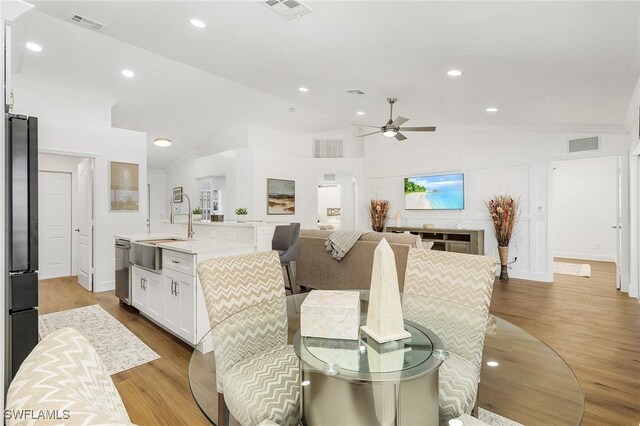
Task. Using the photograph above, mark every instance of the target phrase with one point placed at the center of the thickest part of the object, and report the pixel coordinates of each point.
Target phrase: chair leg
(223, 411)
(287, 267)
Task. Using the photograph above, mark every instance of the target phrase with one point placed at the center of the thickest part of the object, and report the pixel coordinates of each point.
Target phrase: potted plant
(241, 213)
(504, 211)
(197, 213)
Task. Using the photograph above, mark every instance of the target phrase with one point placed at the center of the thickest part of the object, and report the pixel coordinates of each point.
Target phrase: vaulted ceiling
(540, 63)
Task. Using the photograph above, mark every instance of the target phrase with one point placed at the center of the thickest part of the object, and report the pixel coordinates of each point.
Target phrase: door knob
(77, 229)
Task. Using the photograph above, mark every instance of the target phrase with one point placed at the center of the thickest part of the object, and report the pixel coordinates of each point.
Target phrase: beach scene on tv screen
(443, 192)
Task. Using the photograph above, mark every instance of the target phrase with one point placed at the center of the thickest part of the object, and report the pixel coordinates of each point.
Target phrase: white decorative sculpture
(384, 317)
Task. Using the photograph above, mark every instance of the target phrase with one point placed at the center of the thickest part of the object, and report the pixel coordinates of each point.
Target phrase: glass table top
(522, 378)
(366, 359)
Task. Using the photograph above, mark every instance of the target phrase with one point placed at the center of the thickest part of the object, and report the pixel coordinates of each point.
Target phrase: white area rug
(494, 419)
(578, 270)
(119, 348)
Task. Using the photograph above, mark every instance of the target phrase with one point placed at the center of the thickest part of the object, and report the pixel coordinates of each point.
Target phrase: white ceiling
(540, 63)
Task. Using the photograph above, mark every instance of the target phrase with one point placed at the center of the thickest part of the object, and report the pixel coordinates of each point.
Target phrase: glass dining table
(522, 379)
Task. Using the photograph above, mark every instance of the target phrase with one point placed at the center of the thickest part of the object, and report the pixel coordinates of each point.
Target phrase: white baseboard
(586, 256)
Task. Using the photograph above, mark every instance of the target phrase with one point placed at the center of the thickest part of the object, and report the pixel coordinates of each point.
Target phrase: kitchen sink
(146, 253)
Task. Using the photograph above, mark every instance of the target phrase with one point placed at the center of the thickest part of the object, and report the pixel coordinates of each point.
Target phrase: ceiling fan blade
(400, 136)
(418, 129)
(399, 121)
(364, 125)
(368, 134)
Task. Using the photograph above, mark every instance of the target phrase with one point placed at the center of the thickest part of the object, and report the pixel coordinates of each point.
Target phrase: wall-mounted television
(434, 192)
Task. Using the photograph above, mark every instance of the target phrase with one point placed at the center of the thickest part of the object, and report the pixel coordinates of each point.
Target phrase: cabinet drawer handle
(172, 284)
(177, 288)
(175, 261)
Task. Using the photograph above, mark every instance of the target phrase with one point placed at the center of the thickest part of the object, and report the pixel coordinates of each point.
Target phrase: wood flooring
(594, 327)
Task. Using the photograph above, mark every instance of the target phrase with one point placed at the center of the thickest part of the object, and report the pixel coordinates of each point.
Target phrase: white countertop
(182, 221)
(142, 237)
(206, 246)
(189, 246)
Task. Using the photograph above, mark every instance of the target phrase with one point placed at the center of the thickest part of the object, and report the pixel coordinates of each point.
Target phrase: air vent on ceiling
(88, 23)
(356, 92)
(328, 148)
(288, 9)
(584, 144)
(329, 177)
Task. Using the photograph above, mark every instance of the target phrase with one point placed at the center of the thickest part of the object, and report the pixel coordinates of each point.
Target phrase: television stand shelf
(469, 241)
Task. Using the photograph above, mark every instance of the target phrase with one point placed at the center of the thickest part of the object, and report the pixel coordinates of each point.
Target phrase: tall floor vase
(503, 251)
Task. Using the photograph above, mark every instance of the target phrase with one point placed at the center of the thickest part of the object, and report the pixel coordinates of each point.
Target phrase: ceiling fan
(392, 127)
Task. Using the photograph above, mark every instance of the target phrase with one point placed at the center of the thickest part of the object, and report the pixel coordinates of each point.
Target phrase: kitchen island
(169, 292)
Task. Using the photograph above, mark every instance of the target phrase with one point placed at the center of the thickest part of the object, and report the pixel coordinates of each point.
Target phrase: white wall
(65, 164)
(495, 161)
(585, 208)
(159, 205)
(73, 124)
(247, 171)
(633, 254)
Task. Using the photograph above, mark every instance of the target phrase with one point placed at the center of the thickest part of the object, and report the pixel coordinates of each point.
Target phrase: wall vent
(87, 23)
(288, 9)
(328, 148)
(329, 177)
(584, 144)
(356, 92)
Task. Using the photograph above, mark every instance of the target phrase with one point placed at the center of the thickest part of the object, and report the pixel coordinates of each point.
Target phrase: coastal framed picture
(281, 196)
(177, 194)
(123, 186)
(333, 211)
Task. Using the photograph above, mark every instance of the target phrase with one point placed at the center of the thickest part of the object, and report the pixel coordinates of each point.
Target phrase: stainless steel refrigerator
(21, 229)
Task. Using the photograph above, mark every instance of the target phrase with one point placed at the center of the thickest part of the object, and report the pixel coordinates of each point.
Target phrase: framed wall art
(281, 196)
(123, 186)
(177, 194)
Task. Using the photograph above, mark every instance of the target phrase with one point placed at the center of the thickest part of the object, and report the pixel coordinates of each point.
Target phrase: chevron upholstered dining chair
(453, 293)
(257, 373)
(65, 375)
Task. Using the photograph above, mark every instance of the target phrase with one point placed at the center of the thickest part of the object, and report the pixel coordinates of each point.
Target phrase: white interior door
(54, 218)
(85, 224)
(618, 225)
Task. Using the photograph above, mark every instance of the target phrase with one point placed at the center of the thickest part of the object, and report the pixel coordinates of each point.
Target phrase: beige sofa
(317, 269)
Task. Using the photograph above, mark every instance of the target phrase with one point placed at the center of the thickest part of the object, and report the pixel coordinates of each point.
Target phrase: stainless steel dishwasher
(123, 271)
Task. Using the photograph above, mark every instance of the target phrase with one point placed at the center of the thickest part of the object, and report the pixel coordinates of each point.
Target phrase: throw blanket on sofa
(340, 242)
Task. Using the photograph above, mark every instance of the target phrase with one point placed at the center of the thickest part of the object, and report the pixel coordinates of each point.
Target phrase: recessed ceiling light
(198, 23)
(128, 73)
(454, 73)
(493, 364)
(305, 383)
(492, 109)
(303, 89)
(34, 47)
(455, 422)
(162, 142)
(360, 112)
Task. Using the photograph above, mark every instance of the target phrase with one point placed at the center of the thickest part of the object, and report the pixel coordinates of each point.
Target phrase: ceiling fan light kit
(392, 128)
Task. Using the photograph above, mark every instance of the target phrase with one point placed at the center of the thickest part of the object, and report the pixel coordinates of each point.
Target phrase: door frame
(71, 245)
(622, 206)
(93, 157)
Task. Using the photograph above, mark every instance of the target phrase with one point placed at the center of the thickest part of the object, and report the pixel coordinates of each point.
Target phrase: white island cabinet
(173, 298)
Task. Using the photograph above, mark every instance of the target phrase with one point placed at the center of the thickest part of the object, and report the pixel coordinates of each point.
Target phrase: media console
(469, 241)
